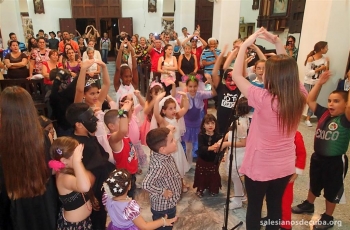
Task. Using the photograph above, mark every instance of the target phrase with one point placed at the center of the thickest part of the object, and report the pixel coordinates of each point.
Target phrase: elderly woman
(37, 57)
(16, 62)
(198, 44)
(96, 54)
(52, 63)
(187, 62)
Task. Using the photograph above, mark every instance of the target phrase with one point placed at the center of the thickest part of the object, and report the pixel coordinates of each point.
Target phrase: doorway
(111, 27)
(82, 23)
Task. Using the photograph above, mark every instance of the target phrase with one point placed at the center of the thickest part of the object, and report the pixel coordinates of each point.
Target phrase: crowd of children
(106, 148)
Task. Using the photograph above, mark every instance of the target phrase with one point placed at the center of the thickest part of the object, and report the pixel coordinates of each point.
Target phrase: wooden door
(67, 24)
(204, 18)
(125, 24)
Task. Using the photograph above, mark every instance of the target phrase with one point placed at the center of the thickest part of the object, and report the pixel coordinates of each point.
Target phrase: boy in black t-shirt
(95, 158)
(227, 94)
(329, 163)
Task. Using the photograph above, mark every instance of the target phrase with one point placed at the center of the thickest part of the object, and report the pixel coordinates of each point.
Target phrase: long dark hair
(282, 82)
(22, 145)
(317, 48)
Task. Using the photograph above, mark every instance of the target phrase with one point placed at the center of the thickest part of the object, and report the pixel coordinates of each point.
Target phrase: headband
(90, 82)
(191, 77)
(154, 83)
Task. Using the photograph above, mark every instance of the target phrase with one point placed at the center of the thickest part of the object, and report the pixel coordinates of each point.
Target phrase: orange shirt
(73, 43)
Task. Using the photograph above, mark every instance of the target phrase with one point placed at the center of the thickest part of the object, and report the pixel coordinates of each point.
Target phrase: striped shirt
(162, 175)
(209, 56)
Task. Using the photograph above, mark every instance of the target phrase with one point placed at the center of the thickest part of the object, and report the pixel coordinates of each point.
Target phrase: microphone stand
(233, 118)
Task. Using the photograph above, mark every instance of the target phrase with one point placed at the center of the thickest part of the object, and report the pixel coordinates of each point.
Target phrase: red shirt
(47, 81)
(127, 157)
(155, 55)
(198, 54)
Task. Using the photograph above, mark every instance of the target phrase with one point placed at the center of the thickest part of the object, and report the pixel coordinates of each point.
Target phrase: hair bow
(56, 165)
(190, 77)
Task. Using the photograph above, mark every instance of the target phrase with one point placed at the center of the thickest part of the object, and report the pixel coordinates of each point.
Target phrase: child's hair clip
(90, 82)
(59, 151)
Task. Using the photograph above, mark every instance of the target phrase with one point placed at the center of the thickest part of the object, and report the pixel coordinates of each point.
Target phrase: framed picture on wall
(39, 7)
(152, 6)
(279, 7)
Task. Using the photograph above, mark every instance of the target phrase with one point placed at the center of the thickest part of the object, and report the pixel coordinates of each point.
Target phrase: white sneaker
(234, 205)
(243, 198)
(308, 123)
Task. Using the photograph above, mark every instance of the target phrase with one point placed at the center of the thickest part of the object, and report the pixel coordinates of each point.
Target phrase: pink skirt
(144, 129)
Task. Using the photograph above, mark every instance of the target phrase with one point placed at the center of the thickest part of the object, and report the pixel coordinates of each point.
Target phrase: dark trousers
(159, 214)
(256, 191)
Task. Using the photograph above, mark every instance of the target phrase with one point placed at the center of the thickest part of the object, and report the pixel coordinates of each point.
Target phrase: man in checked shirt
(163, 181)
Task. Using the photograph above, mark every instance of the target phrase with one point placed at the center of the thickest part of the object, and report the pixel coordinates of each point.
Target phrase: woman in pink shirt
(269, 161)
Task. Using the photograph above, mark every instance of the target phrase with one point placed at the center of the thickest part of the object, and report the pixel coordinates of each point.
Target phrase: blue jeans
(104, 54)
(159, 214)
(308, 88)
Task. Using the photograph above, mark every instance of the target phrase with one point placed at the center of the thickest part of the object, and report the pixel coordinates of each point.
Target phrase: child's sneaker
(305, 207)
(325, 222)
(308, 123)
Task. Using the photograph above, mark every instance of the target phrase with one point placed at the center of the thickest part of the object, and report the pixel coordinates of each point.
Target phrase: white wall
(333, 27)
(226, 22)
(54, 9)
(10, 20)
(145, 22)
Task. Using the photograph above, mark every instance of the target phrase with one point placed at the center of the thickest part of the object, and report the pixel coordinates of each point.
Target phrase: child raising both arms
(167, 112)
(73, 182)
(329, 163)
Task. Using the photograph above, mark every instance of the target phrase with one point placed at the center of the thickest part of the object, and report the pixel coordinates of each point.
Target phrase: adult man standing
(21, 45)
(67, 40)
(155, 51)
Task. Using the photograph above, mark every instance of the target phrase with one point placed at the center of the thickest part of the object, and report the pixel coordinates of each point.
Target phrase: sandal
(199, 194)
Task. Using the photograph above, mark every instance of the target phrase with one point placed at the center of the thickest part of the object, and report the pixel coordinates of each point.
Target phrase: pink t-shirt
(134, 129)
(270, 154)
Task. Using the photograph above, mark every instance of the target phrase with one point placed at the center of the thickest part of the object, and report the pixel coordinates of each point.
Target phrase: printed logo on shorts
(332, 126)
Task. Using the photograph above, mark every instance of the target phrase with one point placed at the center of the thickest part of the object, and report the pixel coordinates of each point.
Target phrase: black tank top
(73, 200)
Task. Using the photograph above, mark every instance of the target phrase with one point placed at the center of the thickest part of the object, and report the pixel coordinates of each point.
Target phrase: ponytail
(309, 55)
(317, 48)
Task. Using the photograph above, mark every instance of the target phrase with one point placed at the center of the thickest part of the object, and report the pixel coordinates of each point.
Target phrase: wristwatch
(122, 113)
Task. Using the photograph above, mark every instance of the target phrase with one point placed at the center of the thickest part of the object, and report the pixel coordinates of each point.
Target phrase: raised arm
(185, 105)
(135, 73)
(313, 94)
(215, 77)
(140, 98)
(204, 43)
(187, 40)
(230, 57)
(116, 137)
(156, 110)
(258, 51)
(79, 92)
(116, 80)
(106, 81)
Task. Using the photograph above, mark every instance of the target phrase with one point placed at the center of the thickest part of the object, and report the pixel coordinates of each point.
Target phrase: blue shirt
(209, 56)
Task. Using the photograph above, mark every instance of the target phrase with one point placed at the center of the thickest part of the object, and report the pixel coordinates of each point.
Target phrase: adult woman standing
(187, 62)
(196, 50)
(278, 108)
(37, 57)
(28, 193)
(315, 64)
(167, 65)
(16, 62)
